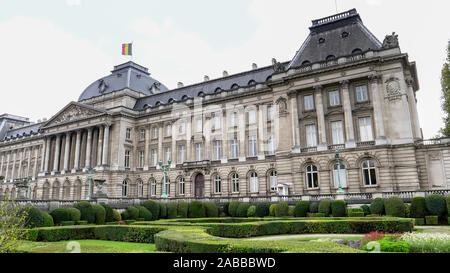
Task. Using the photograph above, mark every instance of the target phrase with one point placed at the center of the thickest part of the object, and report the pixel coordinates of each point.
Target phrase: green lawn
(86, 246)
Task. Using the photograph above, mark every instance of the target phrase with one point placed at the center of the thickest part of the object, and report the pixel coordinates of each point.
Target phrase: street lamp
(29, 188)
(164, 168)
(338, 163)
(90, 174)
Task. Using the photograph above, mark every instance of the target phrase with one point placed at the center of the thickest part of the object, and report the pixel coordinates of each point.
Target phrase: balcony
(196, 164)
(308, 150)
(365, 143)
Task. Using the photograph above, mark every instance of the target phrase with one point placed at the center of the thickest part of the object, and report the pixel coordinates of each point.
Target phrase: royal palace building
(271, 131)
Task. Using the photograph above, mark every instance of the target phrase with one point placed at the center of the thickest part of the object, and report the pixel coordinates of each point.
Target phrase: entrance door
(199, 185)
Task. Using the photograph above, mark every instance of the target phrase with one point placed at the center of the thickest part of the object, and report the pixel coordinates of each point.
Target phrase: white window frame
(233, 119)
(311, 135)
(273, 180)
(181, 153)
(337, 132)
(252, 117)
(154, 132)
(127, 159)
(198, 151)
(141, 158)
(217, 184)
(271, 143)
(182, 128)
(168, 130)
(198, 125)
(343, 176)
(235, 182)
(362, 93)
(254, 183)
(128, 133)
(153, 187)
(370, 166)
(217, 122)
(234, 148)
(365, 129)
(140, 190)
(252, 146)
(217, 147)
(181, 186)
(334, 98)
(168, 154)
(154, 157)
(142, 134)
(311, 172)
(308, 102)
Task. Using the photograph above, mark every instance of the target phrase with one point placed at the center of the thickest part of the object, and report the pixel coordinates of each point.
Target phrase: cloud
(374, 2)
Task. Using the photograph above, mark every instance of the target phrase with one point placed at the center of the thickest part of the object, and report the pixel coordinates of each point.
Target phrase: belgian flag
(127, 49)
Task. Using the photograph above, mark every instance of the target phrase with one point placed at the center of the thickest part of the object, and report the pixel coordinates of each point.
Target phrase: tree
(445, 83)
(12, 223)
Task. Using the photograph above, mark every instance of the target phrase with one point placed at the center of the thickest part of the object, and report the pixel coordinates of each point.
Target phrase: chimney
(180, 84)
(225, 73)
(254, 66)
(274, 61)
(206, 78)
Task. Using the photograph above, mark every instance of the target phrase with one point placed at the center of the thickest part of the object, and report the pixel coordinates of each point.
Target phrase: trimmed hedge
(262, 209)
(232, 208)
(116, 215)
(226, 206)
(144, 213)
(211, 209)
(182, 209)
(325, 207)
(291, 211)
(318, 214)
(435, 204)
(338, 208)
(196, 210)
(377, 206)
(447, 200)
(34, 217)
(100, 214)
(242, 209)
(162, 210)
(153, 207)
(75, 214)
(48, 220)
(251, 212)
(132, 213)
(314, 207)
(301, 209)
(60, 215)
(67, 223)
(82, 222)
(366, 209)
(272, 209)
(355, 212)
(419, 221)
(431, 220)
(172, 210)
(395, 207)
(109, 213)
(281, 209)
(86, 211)
(407, 210)
(418, 207)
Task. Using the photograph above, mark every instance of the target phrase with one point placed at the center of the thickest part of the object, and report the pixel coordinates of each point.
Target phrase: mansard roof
(24, 131)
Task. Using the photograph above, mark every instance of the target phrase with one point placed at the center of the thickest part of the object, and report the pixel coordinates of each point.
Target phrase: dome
(128, 75)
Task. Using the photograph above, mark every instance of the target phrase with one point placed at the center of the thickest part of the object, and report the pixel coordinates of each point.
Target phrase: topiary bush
(272, 209)
(432, 219)
(447, 200)
(182, 209)
(232, 208)
(366, 209)
(314, 207)
(355, 212)
(377, 206)
(291, 211)
(226, 206)
(109, 213)
(172, 210)
(59, 215)
(338, 208)
(133, 213)
(196, 210)
(145, 213)
(262, 209)
(281, 209)
(407, 210)
(435, 204)
(48, 220)
(100, 214)
(211, 209)
(124, 215)
(75, 214)
(301, 209)
(418, 208)
(325, 207)
(86, 211)
(242, 209)
(153, 207)
(162, 210)
(395, 207)
(34, 217)
(116, 215)
(251, 212)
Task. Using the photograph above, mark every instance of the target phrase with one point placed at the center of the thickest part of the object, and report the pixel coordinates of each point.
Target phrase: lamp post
(338, 163)
(164, 168)
(89, 173)
(29, 187)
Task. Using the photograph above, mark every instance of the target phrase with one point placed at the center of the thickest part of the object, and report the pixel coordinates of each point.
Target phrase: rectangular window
(142, 134)
(169, 130)
(181, 186)
(337, 132)
(270, 113)
(365, 129)
(155, 132)
(252, 117)
(198, 152)
(127, 158)
(252, 146)
(361, 93)
(181, 153)
(217, 184)
(234, 148)
(168, 154)
(217, 123)
(217, 149)
(272, 145)
(182, 128)
(141, 159)
(334, 98)
(198, 126)
(154, 157)
(128, 133)
(309, 102)
(311, 135)
(233, 119)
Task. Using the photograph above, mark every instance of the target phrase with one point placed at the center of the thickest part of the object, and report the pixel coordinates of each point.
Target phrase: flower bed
(427, 242)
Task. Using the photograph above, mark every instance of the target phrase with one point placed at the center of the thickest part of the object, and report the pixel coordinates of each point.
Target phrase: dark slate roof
(243, 79)
(128, 75)
(331, 29)
(24, 131)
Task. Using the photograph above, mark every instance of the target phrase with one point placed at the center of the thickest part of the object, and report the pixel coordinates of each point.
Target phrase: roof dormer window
(344, 34)
(321, 40)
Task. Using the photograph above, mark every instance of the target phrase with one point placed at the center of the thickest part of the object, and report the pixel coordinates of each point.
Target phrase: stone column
(348, 118)
(413, 108)
(36, 153)
(146, 148)
(30, 150)
(57, 152)
(7, 166)
(1, 164)
(47, 154)
(174, 146)
(88, 149)
(380, 136)
(188, 138)
(21, 155)
(160, 141)
(76, 164)
(261, 137)
(295, 122)
(43, 156)
(225, 142)
(100, 145)
(106, 144)
(66, 153)
(207, 154)
(242, 125)
(13, 173)
(320, 120)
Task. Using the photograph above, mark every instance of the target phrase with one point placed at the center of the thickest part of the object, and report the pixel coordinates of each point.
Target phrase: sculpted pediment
(73, 112)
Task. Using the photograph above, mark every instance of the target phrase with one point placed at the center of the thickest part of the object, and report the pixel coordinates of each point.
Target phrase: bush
(301, 209)
(232, 208)
(109, 213)
(211, 209)
(435, 204)
(75, 214)
(34, 217)
(48, 220)
(407, 210)
(418, 208)
(124, 215)
(318, 214)
(86, 211)
(366, 209)
(314, 207)
(419, 221)
(447, 200)
(172, 210)
(338, 208)
(100, 214)
(59, 215)
(116, 215)
(377, 206)
(132, 213)
(144, 213)
(196, 210)
(388, 245)
(291, 211)
(242, 210)
(182, 209)
(162, 210)
(153, 207)
(395, 207)
(325, 207)
(431, 219)
(251, 212)
(262, 209)
(272, 209)
(226, 206)
(82, 222)
(281, 209)
(67, 223)
(355, 212)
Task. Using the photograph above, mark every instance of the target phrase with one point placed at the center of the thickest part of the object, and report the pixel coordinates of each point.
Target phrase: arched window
(125, 188)
(321, 40)
(235, 86)
(235, 182)
(273, 180)
(306, 62)
(158, 103)
(181, 186)
(217, 184)
(167, 185)
(185, 97)
(344, 34)
(312, 178)
(356, 51)
(77, 190)
(153, 187)
(55, 190)
(140, 189)
(251, 82)
(146, 106)
(342, 175)
(254, 185)
(200, 94)
(369, 174)
(218, 89)
(66, 190)
(330, 58)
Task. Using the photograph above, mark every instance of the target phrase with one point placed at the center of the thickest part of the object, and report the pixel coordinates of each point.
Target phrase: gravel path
(299, 236)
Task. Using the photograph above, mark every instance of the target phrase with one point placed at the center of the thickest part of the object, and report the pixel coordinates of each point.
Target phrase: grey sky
(52, 49)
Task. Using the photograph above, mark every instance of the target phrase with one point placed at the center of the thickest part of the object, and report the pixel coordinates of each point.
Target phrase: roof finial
(180, 84)
(255, 66)
(206, 78)
(225, 73)
(274, 61)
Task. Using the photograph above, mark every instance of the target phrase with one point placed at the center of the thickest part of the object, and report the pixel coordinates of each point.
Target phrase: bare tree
(12, 223)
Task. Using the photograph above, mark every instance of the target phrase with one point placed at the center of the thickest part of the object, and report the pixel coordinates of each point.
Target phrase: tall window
(271, 144)
(154, 157)
(217, 122)
(153, 191)
(198, 151)
(125, 188)
(312, 178)
(181, 186)
(141, 158)
(254, 182)
(142, 134)
(235, 182)
(369, 174)
(252, 117)
(127, 158)
(167, 185)
(334, 98)
(217, 184)
(252, 146)
(365, 129)
(182, 128)
(270, 113)
(198, 126)
(342, 176)
(181, 153)
(168, 154)
(217, 145)
(311, 135)
(234, 148)
(128, 133)
(169, 130)
(140, 188)
(155, 132)
(309, 102)
(233, 119)
(337, 132)
(361, 93)
(273, 181)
